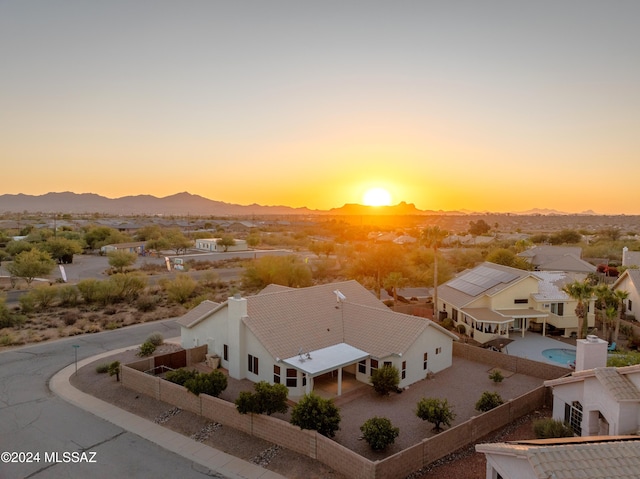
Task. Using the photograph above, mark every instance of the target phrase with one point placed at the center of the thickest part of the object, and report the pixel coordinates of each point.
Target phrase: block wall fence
(341, 459)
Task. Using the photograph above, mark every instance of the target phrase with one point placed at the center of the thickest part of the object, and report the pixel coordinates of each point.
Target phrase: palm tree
(582, 292)
(621, 296)
(432, 237)
(604, 300)
(611, 313)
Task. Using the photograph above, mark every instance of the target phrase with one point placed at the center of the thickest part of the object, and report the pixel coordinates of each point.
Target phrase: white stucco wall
(509, 467)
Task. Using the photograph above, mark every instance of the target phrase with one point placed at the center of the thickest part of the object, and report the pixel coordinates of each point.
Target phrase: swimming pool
(560, 355)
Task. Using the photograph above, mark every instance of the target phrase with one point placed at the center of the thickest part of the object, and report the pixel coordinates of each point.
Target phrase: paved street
(33, 419)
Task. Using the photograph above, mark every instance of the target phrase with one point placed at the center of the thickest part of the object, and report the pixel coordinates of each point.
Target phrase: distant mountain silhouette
(182, 204)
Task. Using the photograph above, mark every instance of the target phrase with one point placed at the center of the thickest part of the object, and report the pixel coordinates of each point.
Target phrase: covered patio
(489, 323)
(326, 366)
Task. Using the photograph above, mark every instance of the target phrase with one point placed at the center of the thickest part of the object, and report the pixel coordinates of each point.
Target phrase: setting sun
(377, 197)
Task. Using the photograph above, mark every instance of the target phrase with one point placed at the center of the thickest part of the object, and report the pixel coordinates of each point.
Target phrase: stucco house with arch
(294, 336)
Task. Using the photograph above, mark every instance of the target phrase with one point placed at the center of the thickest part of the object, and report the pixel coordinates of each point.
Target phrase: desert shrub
(448, 323)
(108, 292)
(102, 368)
(436, 411)
(69, 318)
(44, 296)
(212, 383)
(488, 401)
(68, 295)
(379, 432)
(89, 290)
(146, 349)
(316, 414)
(496, 376)
(550, 428)
(127, 287)
(267, 399)
(6, 318)
(147, 302)
(385, 379)
(27, 303)
(180, 376)
(180, 289)
(155, 338)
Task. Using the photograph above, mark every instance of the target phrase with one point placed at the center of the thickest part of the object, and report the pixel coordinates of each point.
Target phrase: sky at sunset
(476, 105)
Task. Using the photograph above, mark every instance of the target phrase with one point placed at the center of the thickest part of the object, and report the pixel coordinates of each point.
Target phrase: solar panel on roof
(480, 280)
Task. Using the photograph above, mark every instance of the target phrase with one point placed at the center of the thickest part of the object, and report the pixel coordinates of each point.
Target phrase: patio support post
(339, 381)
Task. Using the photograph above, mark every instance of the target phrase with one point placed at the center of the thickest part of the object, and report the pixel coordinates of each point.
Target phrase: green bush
(267, 399)
(379, 432)
(212, 383)
(550, 428)
(316, 414)
(180, 376)
(68, 295)
(147, 302)
(102, 368)
(488, 401)
(496, 376)
(146, 349)
(385, 379)
(114, 370)
(156, 339)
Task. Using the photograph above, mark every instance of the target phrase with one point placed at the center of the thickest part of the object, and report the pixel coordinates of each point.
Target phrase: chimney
(625, 250)
(236, 310)
(591, 353)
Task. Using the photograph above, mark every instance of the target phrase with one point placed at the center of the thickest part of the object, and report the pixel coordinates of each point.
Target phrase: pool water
(560, 355)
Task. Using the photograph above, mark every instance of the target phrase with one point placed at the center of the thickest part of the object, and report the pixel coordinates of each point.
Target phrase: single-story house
(630, 258)
(294, 335)
(134, 247)
(558, 258)
(577, 457)
(595, 399)
(212, 245)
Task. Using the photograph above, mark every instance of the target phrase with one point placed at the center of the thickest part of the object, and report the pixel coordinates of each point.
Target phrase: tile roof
(618, 459)
(617, 384)
(312, 318)
(568, 262)
(197, 314)
(550, 286)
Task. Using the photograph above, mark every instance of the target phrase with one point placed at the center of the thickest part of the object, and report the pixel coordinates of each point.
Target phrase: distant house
(492, 301)
(135, 247)
(294, 336)
(558, 258)
(211, 245)
(629, 281)
(579, 457)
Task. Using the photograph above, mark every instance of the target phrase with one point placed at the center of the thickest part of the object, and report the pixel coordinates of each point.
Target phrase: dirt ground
(463, 464)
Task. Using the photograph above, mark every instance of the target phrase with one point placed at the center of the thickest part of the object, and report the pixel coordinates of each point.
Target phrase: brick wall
(524, 366)
(180, 397)
(225, 413)
(140, 382)
(344, 460)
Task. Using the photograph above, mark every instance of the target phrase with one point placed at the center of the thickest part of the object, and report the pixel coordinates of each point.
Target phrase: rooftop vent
(592, 338)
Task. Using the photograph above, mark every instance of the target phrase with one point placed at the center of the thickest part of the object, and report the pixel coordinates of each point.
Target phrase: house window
(557, 309)
(573, 416)
(252, 364)
(520, 301)
(424, 361)
(629, 305)
(404, 370)
(454, 314)
(373, 366)
(276, 374)
(362, 367)
(292, 378)
(438, 350)
(387, 364)
(225, 352)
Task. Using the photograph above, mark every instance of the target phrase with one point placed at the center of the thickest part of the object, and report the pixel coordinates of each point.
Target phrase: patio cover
(320, 361)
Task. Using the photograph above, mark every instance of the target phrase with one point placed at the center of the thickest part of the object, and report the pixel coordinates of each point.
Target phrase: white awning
(320, 361)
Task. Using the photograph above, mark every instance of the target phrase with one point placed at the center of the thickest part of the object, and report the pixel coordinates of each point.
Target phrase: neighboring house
(136, 247)
(558, 258)
(629, 281)
(587, 458)
(595, 399)
(467, 240)
(211, 244)
(630, 258)
(295, 335)
(492, 300)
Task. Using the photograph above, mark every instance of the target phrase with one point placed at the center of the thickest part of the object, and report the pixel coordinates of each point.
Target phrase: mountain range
(183, 204)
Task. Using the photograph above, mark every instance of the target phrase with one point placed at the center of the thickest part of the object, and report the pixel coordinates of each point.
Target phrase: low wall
(327, 451)
(515, 364)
